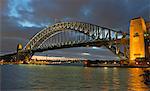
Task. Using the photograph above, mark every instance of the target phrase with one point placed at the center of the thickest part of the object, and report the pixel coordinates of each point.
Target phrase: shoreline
(77, 64)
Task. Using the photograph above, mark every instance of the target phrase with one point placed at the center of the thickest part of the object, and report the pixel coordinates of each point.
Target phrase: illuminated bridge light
(136, 63)
(95, 47)
(85, 53)
(105, 63)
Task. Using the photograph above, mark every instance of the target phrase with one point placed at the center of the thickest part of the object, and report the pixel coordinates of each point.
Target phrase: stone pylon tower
(137, 45)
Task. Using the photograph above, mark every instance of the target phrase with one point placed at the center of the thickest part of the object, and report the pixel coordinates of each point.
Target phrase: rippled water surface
(70, 78)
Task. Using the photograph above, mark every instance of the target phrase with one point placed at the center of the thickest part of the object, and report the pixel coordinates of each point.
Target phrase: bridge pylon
(19, 48)
(23, 55)
(137, 45)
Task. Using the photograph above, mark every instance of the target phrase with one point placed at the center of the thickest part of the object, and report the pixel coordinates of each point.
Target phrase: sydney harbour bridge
(76, 34)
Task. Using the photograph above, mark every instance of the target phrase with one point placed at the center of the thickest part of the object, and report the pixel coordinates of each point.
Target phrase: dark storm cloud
(109, 13)
(23, 18)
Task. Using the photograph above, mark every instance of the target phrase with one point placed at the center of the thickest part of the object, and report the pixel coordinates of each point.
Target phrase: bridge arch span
(94, 31)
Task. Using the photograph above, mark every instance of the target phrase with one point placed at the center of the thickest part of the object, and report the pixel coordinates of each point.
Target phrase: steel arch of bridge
(94, 31)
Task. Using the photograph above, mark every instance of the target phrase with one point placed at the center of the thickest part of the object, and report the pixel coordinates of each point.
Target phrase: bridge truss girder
(93, 31)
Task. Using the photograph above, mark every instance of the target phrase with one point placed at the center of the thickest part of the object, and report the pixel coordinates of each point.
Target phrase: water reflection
(135, 81)
(105, 85)
(115, 79)
(68, 78)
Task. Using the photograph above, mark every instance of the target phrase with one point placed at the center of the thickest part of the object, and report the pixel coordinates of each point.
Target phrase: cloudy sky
(21, 19)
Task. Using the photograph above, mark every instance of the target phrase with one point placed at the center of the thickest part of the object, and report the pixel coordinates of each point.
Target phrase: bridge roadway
(97, 43)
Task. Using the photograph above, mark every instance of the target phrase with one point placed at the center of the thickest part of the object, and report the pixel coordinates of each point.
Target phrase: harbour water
(70, 78)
